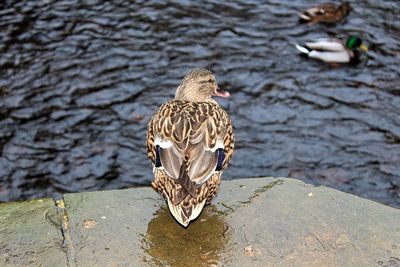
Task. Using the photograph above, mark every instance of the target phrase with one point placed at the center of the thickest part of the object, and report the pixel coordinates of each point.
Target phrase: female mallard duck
(190, 143)
(326, 13)
(333, 50)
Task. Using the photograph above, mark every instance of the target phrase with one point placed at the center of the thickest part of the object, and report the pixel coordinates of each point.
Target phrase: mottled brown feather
(326, 13)
(214, 123)
(197, 122)
(188, 178)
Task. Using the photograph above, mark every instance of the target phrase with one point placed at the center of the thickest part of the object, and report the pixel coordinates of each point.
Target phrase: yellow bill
(364, 48)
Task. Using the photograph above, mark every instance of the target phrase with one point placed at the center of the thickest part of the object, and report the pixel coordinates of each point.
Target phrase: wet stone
(121, 218)
(252, 222)
(30, 234)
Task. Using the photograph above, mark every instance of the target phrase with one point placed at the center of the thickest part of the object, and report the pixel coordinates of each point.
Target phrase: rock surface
(253, 222)
(30, 234)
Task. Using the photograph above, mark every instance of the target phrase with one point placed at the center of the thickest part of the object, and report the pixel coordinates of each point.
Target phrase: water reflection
(204, 243)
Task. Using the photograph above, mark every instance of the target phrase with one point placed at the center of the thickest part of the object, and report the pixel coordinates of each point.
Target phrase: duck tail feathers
(303, 17)
(303, 48)
(184, 214)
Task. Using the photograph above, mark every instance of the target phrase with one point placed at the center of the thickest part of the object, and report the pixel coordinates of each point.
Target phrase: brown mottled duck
(325, 13)
(190, 142)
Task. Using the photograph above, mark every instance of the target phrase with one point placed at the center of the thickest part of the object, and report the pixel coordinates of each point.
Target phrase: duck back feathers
(190, 136)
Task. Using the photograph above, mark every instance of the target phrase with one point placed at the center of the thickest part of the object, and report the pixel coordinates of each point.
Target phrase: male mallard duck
(326, 13)
(333, 50)
(190, 143)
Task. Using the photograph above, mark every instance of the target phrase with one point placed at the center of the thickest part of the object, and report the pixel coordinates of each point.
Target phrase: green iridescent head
(354, 42)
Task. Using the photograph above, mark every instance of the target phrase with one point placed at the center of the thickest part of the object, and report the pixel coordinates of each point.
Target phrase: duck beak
(221, 93)
(364, 48)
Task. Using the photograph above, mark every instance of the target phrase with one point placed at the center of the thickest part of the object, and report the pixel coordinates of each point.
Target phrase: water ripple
(79, 82)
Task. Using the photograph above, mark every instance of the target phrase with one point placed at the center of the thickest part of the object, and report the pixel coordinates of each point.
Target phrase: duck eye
(210, 80)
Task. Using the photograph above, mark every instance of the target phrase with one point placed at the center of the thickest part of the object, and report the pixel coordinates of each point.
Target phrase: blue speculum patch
(221, 157)
(158, 160)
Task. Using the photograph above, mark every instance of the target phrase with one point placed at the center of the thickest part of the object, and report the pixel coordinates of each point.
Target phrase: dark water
(79, 82)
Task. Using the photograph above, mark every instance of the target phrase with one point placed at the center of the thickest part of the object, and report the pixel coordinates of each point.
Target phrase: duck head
(199, 85)
(354, 42)
(345, 8)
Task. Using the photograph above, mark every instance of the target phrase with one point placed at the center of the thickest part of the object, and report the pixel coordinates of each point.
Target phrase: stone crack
(65, 227)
